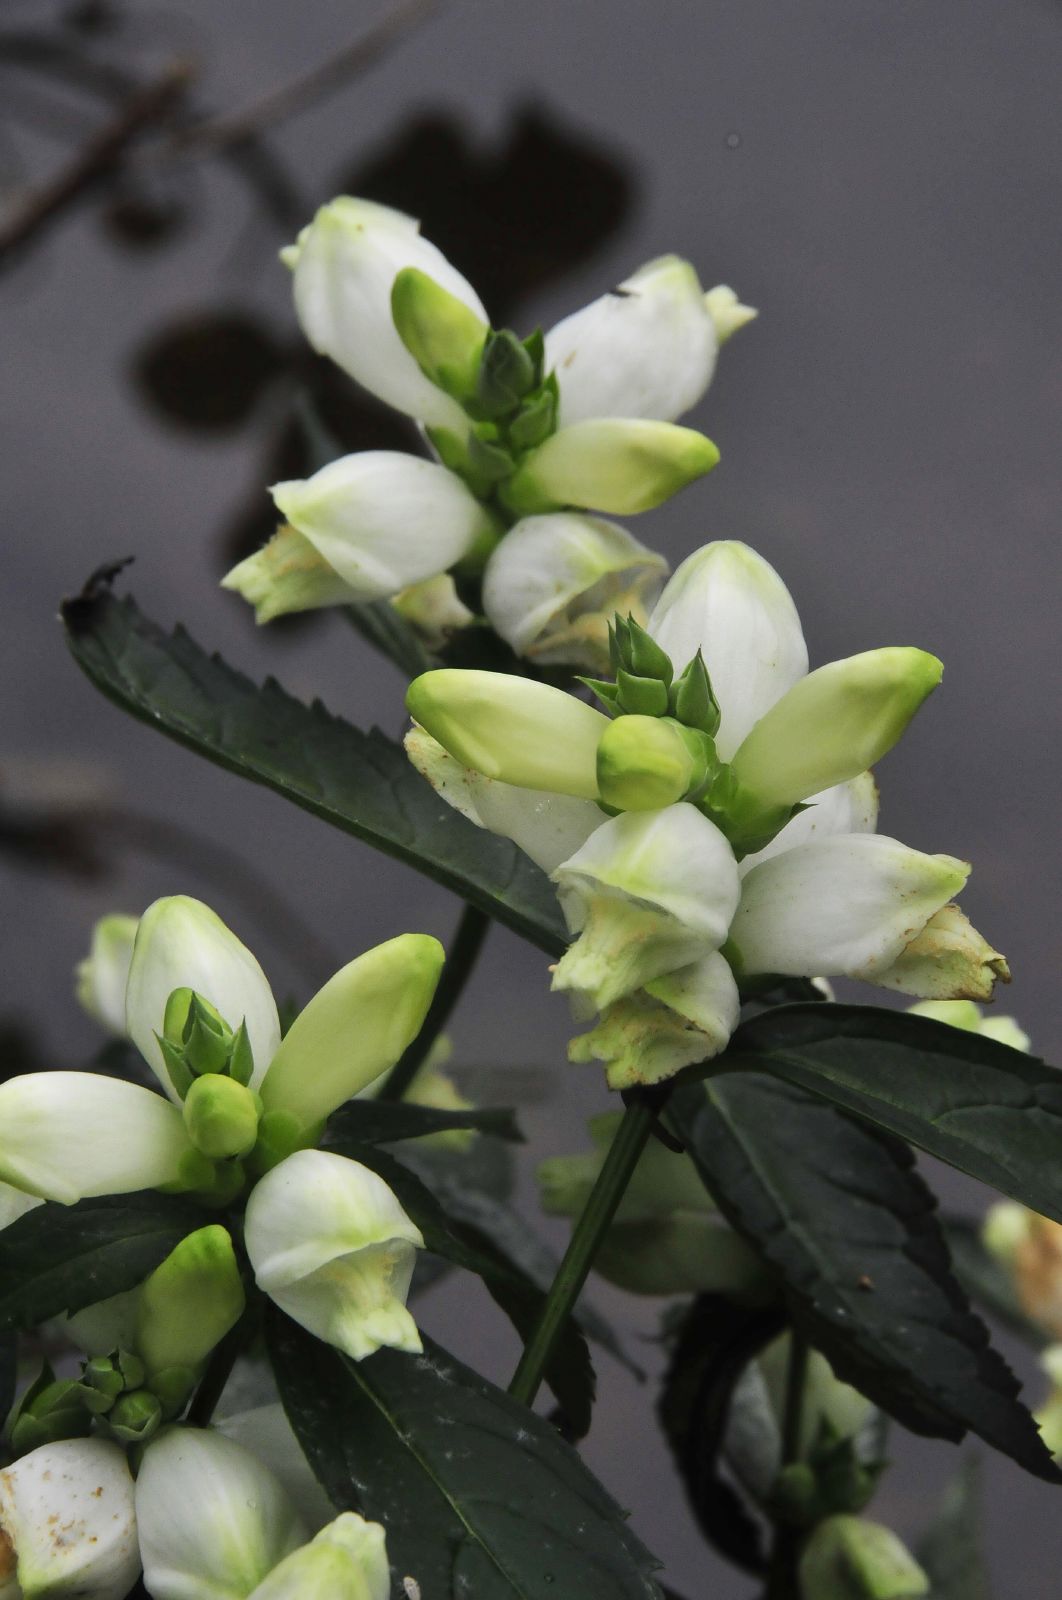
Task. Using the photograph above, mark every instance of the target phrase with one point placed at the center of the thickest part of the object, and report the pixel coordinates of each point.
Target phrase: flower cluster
(715, 823)
(530, 437)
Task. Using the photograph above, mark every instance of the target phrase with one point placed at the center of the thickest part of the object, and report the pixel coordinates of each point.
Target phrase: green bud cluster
(196, 1041)
(836, 1478)
(50, 1409)
(116, 1390)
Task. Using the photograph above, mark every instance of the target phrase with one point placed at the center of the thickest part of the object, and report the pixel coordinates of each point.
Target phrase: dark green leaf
(386, 1122)
(991, 1111)
(715, 1342)
(62, 1258)
(381, 625)
(479, 1496)
(952, 1548)
(361, 782)
(987, 1281)
(570, 1373)
(838, 1209)
(8, 1373)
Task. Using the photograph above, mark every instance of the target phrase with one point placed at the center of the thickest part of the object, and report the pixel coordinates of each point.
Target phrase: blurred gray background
(880, 177)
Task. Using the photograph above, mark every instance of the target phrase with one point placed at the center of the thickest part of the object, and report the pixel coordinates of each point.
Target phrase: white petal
(730, 604)
(554, 583)
(649, 892)
(347, 1560)
(14, 1203)
(947, 960)
(182, 944)
(841, 906)
(68, 1135)
(102, 976)
(67, 1510)
(646, 349)
(330, 1244)
(382, 519)
(345, 265)
(682, 1018)
(213, 1520)
(850, 807)
(266, 1432)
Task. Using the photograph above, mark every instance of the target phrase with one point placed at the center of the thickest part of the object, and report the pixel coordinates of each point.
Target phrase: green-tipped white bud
(834, 724)
(728, 315)
(731, 605)
(847, 1558)
(433, 610)
(511, 729)
(67, 1524)
(644, 763)
(667, 1236)
(345, 265)
(288, 574)
(440, 331)
(379, 520)
(616, 464)
(213, 1521)
(182, 944)
(68, 1135)
(970, 1018)
(677, 1020)
(103, 974)
(950, 960)
(331, 1245)
(189, 1303)
(354, 1029)
(554, 583)
(839, 907)
(645, 349)
(347, 1560)
(649, 892)
(221, 1117)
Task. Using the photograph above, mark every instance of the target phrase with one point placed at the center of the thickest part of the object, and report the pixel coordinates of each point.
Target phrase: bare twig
(96, 159)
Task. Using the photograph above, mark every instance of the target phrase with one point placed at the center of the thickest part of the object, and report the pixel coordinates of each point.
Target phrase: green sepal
(507, 372)
(644, 656)
(175, 1015)
(180, 1072)
(534, 422)
(131, 1368)
(692, 699)
(491, 462)
(207, 1040)
(241, 1058)
(136, 1417)
(606, 692)
(50, 1409)
(279, 1136)
(535, 345)
(102, 1377)
(645, 697)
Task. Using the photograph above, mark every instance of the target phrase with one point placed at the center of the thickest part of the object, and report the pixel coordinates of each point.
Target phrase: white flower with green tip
(67, 1524)
(330, 1244)
(772, 769)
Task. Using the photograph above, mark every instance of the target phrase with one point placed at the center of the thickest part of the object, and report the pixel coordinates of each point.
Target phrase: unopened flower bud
(834, 724)
(442, 333)
(613, 464)
(135, 1418)
(692, 700)
(510, 369)
(644, 763)
(189, 1302)
(511, 729)
(67, 1525)
(968, 1016)
(221, 1117)
(847, 1558)
(102, 976)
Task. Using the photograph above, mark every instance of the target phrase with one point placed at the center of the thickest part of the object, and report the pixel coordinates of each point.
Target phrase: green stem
(460, 959)
(619, 1164)
(782, 1581)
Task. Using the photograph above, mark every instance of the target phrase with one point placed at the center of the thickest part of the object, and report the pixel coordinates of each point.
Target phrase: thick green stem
(782, 1580)
(631, 1138)
(460, 959)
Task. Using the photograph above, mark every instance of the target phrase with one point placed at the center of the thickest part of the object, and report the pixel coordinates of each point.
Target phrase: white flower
(67, 1526)
(102, 975)
(266, 1432)
(344, 265)
(331, 1245)
(554, 583)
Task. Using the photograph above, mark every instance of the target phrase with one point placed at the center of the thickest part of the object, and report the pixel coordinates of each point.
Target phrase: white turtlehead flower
(344, 266)
(362, 528)
(68, 1135)
(101, 977)
(554, 583)
(330, 1244)
(67, 1524)
(645, 349)
(213, 1520)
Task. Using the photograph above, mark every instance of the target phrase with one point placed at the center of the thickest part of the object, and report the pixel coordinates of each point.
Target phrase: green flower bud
(644, 763)
(189, 1302)
(834, 724)
(105, 1383)
(50, 1410)
(444, 336)
(613, 464)
(637, 652)
(207, 1039)
(846, 1558)
(509, 728)
(508, 371)
(643, 697)
(692, 700)
(534, 422)
(135, 1417)
(221, 1116)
